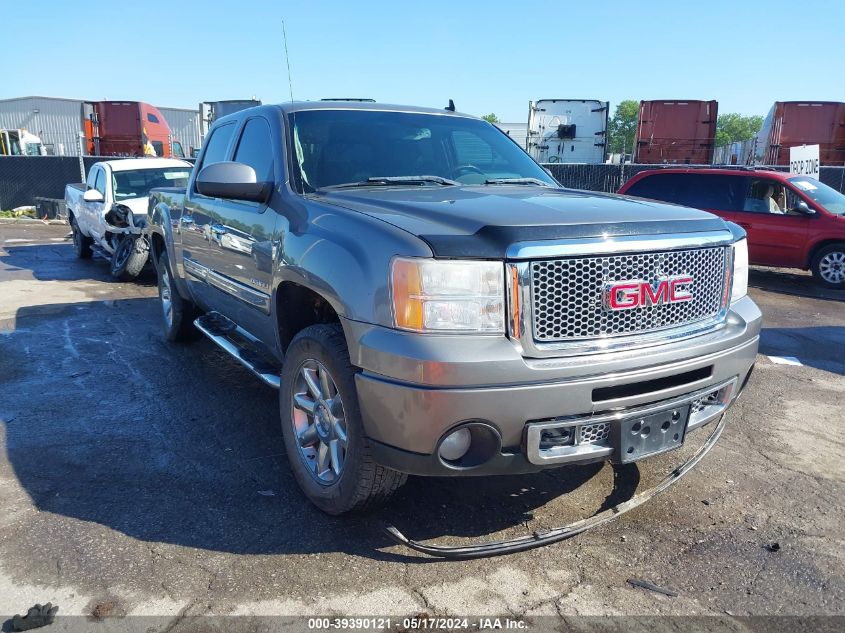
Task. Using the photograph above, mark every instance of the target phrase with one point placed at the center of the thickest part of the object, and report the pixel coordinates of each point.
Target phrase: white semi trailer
(567, 130)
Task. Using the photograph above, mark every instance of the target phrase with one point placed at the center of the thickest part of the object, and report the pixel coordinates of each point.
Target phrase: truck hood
(138, 205)
(482, 221)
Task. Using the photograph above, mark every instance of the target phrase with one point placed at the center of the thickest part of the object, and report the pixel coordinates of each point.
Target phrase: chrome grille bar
(568, 302)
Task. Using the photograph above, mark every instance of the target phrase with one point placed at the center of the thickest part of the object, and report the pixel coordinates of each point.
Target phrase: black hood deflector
(483, 221)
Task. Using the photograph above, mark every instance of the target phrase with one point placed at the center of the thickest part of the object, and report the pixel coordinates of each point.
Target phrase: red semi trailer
(676, 132)
(791, 123)
(128, 128)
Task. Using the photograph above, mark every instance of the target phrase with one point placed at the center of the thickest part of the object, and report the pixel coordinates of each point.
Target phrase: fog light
(455, 445)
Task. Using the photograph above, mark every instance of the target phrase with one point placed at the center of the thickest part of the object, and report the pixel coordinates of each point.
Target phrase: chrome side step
(241, 345)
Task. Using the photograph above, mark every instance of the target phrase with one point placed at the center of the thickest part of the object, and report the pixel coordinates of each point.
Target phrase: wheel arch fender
(345, 257)
(814, 249)
(160, 227)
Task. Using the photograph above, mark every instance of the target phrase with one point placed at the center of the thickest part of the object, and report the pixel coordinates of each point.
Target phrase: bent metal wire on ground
(546, 537)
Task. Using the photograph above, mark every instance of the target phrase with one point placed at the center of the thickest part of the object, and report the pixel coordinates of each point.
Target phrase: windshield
(827, 197)
(335, 147)
(137, 183)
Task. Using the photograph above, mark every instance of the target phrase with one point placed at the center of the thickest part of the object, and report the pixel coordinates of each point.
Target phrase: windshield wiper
(376, 181)
(516, 181)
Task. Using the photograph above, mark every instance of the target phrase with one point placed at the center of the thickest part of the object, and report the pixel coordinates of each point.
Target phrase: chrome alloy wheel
(832, 267)
(165, 292)
(122, 252)
(319, 422)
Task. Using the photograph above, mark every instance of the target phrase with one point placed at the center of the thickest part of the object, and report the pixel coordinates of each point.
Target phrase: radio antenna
(287, 59)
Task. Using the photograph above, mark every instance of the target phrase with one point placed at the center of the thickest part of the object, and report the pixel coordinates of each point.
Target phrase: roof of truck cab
(126, 164)
(300, 106)
(305, 106)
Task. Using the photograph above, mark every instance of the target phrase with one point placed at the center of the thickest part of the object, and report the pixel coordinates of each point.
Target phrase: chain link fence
(25, 178)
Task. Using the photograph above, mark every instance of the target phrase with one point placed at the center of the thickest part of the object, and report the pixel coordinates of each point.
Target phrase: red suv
(791, 221)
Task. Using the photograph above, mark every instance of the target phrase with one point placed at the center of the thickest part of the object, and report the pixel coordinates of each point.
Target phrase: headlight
(448, 296)
(740, 273)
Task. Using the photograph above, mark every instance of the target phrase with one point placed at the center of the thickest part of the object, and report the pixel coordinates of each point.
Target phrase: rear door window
(701, 191)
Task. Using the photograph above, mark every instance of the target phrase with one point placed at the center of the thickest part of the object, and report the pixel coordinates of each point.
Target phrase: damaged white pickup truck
(108, 212)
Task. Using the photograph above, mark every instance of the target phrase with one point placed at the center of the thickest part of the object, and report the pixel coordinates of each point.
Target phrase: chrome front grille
(568, 293)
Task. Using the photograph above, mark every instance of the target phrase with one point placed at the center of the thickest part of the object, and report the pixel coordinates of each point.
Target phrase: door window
(92, 178)
(100, 183)
(771, 197)
(255, 148)
(158, 146)
(702, 191)
(218, 143)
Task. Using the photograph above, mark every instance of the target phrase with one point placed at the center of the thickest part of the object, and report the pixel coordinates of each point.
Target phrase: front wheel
(129, 257)
(177, 313)
(829, 266)
(321, 424)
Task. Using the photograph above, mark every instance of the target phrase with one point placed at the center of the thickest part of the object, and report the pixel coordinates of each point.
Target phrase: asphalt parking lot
(151, 479)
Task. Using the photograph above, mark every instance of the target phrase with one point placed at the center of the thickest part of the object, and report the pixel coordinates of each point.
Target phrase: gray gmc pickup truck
(428, 300)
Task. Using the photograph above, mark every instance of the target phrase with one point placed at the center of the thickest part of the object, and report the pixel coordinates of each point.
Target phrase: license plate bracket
(652, 434)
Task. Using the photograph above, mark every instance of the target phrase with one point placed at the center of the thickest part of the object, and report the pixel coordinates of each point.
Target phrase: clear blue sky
(488, 56)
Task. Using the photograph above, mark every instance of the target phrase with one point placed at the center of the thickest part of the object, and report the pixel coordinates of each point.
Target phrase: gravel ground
(147, 479)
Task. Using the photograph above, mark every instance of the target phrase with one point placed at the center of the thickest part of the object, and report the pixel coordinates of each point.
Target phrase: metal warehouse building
(58, 122)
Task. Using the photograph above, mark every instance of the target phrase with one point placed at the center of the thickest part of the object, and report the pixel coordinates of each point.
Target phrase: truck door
(196, 228)
(776, 235)
(241, 264)
(92, 221)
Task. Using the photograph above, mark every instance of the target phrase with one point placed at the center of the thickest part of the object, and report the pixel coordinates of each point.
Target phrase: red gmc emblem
(625, 295)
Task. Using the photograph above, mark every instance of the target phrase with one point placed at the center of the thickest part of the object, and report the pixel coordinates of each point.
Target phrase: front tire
(177, 313)
(321, 423)
(829, 266)
(81, 243)
(129, 257)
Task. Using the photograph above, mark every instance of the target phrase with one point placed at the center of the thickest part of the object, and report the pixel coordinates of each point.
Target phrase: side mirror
(92, 195)
(235, 181)
(803, 208)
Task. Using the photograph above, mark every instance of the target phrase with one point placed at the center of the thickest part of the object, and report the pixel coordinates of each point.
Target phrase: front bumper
(414, 389)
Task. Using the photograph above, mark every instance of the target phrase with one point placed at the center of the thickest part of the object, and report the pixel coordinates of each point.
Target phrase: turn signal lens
(740, 276)
(448, 296)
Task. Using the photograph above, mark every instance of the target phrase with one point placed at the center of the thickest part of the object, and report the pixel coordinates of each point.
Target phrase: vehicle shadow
(107, 423)
(819, 347)
(791, 282)
(58, 262)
